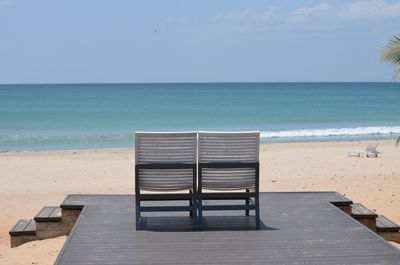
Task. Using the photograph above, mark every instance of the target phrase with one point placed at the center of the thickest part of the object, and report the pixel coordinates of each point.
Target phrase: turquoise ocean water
(69, 116)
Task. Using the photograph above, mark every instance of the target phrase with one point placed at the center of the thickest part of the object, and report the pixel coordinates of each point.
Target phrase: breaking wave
(342, 132)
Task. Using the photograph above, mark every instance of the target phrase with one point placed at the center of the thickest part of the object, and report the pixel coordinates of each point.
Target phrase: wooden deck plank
(361, 212)
(45, 212)
(31, 228)
(56, 213)
(297, 228)
(23, 227)
(385, 225)
(49, 214)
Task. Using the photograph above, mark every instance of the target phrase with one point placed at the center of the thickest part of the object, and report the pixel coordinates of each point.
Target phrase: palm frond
(397, 73)
(391, 51)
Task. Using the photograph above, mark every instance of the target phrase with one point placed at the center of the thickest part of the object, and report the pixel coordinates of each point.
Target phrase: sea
(84, 116)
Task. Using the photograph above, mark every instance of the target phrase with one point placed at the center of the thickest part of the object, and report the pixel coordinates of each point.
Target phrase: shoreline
(32, 180)
(99, 149)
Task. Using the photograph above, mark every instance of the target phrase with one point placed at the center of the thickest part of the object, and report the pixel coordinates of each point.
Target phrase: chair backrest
(165, 161)
(372, 147)
(228, 161)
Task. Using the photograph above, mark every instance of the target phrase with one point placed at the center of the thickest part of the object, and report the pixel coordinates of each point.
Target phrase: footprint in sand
(53, 253)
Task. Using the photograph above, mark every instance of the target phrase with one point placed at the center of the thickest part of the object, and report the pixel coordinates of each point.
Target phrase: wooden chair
(165, 163)
(229, 164)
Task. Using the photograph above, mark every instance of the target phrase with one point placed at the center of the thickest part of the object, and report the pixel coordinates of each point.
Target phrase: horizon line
(217, 82)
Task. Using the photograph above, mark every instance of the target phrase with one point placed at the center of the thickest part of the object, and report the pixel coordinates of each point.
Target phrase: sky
(127, 41)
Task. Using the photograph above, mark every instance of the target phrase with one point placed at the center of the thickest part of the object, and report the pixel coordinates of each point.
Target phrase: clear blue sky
(96, 41)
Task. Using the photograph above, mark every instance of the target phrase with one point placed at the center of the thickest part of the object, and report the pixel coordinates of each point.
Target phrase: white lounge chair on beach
(370, 151)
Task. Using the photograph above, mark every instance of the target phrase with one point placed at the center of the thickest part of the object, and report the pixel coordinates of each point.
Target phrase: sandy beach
(31, 180)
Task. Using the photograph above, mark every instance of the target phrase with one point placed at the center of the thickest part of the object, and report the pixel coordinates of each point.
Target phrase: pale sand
(29, 181)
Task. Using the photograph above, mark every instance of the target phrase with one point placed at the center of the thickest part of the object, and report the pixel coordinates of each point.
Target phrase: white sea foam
(359, 131)
(16, 142)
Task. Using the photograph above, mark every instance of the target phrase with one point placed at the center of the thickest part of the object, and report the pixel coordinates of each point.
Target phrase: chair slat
(240, 147)
(165, 147)
(168, 148)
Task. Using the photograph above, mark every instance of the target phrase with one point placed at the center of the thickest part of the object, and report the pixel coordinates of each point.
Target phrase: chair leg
(247, 212)
(137, 208)
(194, 213)
(200, 207)
(257, 202)
(191, 204)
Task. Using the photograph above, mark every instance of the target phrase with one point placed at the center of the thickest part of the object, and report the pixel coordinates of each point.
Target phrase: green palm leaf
(391, 53)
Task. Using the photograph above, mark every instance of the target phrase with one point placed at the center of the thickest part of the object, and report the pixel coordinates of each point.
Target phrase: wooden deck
(297, 228)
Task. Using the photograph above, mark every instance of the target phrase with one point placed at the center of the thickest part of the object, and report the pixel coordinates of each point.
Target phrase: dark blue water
(41, 117)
